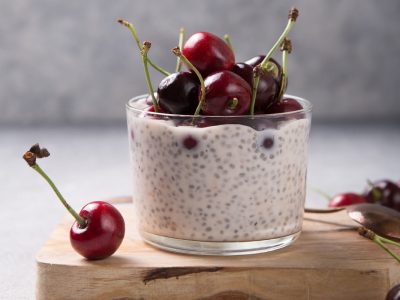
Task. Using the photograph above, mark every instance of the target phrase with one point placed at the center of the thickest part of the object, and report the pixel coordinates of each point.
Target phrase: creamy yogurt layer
(218, 183)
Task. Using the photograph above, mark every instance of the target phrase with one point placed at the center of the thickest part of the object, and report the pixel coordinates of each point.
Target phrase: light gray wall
(69, 62)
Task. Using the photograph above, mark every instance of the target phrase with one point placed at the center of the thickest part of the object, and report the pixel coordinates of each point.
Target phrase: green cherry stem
(293, 14)
(379, 240)
(181, 40)
(227, 39)
(376, 193)
(136, 37)
(179, 54)
(319, 191)
(30, 158)
(286, 49)
(233, 103)
(145, 49)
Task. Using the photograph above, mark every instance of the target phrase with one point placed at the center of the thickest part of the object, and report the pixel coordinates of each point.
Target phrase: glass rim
(307, 107)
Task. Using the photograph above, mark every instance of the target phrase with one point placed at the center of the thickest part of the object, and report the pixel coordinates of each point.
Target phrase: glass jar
(223, 185)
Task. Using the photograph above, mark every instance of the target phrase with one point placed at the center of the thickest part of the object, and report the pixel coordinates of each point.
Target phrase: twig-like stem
(227, 39)
(39, 152)
(286, 49)
(144, 51)
(137, 40)
(178, 53)
(293, 14)
(181, 40)
(30, 158)
(380, 240)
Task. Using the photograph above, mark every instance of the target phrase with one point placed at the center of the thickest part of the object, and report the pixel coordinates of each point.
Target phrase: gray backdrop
(69, 62)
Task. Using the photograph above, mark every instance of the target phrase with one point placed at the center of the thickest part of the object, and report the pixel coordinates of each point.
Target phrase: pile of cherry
(384, 192)
(228, 85)
(215, 84)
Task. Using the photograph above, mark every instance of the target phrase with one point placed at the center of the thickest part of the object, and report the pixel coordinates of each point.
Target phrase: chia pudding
(221, 183)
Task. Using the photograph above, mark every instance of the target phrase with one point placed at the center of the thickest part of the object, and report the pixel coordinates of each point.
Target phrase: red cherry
(346, 199)
(208, 53)
(99, 227)
(227, 94)
(103, 234)
(285, 105)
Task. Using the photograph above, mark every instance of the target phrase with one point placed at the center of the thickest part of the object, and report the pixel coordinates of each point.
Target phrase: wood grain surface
(329, 261)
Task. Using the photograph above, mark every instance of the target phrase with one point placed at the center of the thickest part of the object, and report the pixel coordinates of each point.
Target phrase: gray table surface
(93, 163)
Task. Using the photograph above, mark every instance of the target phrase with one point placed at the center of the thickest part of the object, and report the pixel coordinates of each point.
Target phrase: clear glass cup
(225, 185)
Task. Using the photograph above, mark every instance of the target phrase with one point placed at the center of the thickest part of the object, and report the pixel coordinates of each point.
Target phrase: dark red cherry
(178, 93)
(269, 85)
(384, 192)
(227, 94)
(267, 93)
(394, 293)
(208, 53)
(254, 61)
(285, 105)
(245, 71)
(346, 199)
(277, 70)
(267, 90)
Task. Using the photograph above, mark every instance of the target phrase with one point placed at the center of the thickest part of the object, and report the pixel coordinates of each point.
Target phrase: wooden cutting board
(327, 262)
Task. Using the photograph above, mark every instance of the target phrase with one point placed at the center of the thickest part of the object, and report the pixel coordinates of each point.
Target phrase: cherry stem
(30, 158)
(137, 40)
(233, 103)
(178, 53)
(181, 40)
(320, 192)
(286, 49)
(376, 193)
(227, 39)
(144, 51)
(380, 240)
(262, 67)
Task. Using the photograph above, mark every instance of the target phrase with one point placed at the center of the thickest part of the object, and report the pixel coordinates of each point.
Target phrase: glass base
(218, 248)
